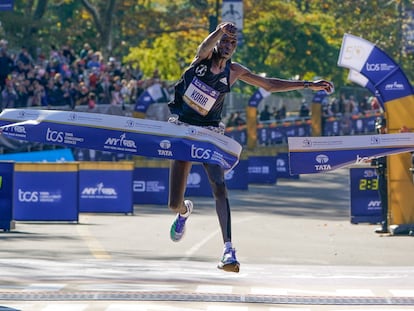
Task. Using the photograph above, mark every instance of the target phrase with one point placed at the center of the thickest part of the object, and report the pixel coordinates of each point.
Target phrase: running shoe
(229, 262)
(178, 226)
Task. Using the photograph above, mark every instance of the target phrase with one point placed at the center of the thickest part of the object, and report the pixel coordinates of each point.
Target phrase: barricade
(46, 192)
(197, 182)
(106, 187)
(6, 195)
(237, 179)
(262, 170)
(150, 185)
(365, 203)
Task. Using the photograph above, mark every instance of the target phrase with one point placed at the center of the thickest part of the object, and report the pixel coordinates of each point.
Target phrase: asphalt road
(294, 240)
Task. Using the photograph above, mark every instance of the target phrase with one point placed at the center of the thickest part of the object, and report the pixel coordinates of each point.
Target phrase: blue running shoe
(178, 226)
(229, 262)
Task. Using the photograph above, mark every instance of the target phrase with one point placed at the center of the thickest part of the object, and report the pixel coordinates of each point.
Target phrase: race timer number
(368, 184)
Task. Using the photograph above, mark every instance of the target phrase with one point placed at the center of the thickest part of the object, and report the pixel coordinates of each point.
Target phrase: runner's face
(226, 46)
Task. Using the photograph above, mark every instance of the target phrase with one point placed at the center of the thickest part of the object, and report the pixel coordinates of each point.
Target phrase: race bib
(200, 96)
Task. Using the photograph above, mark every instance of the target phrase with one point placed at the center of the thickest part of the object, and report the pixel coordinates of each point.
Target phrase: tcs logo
(28, 196)
(200, 153)
(54, 136)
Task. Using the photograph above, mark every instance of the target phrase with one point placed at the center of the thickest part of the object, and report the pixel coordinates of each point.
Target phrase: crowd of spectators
(64, 77)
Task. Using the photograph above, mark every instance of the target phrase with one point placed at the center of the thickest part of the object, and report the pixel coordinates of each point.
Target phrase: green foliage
(296, 38)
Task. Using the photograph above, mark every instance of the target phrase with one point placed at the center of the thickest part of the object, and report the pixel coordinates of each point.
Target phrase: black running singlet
(199, 94)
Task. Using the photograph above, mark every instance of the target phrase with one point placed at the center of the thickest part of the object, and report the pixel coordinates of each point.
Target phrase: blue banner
(365, 202)
(382, 71)
(143, 102)
(106, 189)
(308, 155)
(238, 177)
(150, 185)
(6, 194)
(262, 170)
(118, 134)
(46, 192)
(282, 166)
(319, 97)
(197, 183)
(257, 97)
(363, 81)
(6, 5)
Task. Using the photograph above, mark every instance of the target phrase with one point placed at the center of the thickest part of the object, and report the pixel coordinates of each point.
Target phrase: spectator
(281, 113)
(22, 95)
(83, 54)
(265, 114)
(81, 98)
(8, 95)
(236, 120)
(304, 110)
(6, 67)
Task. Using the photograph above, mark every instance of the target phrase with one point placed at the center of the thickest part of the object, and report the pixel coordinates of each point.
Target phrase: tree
(102, 16)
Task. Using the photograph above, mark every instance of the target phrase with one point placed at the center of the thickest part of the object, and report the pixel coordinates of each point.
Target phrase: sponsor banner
(150, 185)
(119, 134)
(239, 135)
(262, 170)
(363, 81)
(150, 96)
(45, 196)
(6, 5)
(197, 183)
(282, 166)
(365, 203)
(319, 97)
(373, 63)
(257, 97)
(6, 194)
(354, 52)
(322, 154)
(238, 178)
(105, 191)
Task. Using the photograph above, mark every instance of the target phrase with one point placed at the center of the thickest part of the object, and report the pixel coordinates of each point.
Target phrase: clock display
(368, 184)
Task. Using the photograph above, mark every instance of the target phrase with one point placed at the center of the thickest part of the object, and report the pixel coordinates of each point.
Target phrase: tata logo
(322, 159)
(200, 153)
(165, 144)
(28, 196)
(54, 136)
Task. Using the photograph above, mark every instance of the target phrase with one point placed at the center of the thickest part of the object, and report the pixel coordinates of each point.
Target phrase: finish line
(203, 297)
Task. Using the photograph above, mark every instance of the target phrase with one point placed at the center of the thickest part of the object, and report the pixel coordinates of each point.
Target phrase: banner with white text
(111, 133)
(308, 155)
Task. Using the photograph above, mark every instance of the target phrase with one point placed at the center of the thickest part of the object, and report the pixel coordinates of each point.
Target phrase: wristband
(306, 84)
